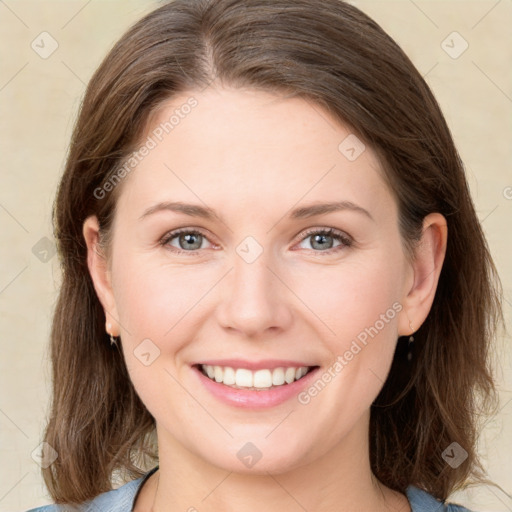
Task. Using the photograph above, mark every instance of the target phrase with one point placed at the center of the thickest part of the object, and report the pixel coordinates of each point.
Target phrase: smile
(264, 379)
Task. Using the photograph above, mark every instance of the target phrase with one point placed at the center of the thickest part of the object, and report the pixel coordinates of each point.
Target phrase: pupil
(188, 239)
(322, 237)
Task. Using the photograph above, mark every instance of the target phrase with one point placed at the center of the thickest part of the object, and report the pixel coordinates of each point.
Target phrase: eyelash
(345, 240)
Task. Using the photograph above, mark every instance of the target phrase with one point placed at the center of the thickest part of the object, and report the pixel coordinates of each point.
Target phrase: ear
(100, 274)
(426, 268)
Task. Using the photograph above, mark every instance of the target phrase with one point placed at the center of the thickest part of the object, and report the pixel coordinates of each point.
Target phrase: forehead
(252, 149)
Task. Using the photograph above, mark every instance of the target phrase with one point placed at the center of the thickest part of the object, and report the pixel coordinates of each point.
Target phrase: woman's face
(255, 281)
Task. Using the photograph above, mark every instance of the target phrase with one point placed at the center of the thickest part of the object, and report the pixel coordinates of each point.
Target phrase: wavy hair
(336, 57)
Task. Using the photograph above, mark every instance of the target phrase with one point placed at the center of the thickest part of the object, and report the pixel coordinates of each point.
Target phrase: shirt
(123, 500)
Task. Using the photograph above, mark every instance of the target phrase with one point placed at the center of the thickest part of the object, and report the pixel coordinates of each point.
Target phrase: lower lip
(251, 399)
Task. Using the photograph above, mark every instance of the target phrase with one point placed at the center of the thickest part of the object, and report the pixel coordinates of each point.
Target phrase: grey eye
(322, 241)
(191, 241)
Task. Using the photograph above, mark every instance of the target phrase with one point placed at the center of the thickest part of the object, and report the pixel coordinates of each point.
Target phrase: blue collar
(123, 500)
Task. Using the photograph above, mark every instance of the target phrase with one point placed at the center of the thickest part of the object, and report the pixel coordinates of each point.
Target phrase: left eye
(188, 241)
(323, 240)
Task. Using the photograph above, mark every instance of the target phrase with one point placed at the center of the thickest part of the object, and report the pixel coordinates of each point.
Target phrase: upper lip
(254, 365)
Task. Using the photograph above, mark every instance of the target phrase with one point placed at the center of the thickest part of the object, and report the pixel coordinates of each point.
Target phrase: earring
(410, 345)
(113, 340)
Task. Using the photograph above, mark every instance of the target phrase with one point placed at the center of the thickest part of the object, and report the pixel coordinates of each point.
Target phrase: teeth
(209, 370)
(228, 377)
(243, 378)
(289, 375)
(260, 379)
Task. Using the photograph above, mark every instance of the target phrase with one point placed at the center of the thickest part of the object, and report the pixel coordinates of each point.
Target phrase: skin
(252, 157)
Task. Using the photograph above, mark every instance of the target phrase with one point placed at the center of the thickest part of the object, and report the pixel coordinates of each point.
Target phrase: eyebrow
(311, 210)
(303, 212)
(193, 210)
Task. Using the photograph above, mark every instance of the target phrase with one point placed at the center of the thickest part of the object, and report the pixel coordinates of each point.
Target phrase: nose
(255, 300)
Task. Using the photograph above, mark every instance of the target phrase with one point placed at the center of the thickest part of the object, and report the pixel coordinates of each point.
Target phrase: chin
(258, 457)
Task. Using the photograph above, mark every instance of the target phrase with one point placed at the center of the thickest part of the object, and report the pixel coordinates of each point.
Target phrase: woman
(273, 272)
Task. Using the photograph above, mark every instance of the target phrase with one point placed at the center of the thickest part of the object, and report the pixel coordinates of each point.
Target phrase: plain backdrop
(48, 51)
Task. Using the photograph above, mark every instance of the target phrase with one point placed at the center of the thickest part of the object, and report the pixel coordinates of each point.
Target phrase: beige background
(39, 98)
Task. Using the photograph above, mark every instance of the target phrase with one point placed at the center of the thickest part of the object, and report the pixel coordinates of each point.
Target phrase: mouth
(259, 380)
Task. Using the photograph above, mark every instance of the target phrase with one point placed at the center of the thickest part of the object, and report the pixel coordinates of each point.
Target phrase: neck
(339, 480)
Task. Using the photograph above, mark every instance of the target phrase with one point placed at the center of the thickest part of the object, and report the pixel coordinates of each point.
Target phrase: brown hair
(333, 55)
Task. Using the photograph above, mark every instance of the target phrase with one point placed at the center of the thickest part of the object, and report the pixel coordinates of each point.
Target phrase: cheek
(358, 304)
(152, 297)
(353, 295)
(155, 304)
(358, 307)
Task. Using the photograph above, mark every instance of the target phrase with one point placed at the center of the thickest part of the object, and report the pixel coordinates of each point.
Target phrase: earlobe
(428, 261)
(100, 274)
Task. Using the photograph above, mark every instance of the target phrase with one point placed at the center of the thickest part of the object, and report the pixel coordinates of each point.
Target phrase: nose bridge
(254, 300)
(251, 276)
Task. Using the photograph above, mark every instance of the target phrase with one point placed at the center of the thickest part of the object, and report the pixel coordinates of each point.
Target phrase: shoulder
(117, 500)
(422, 501)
